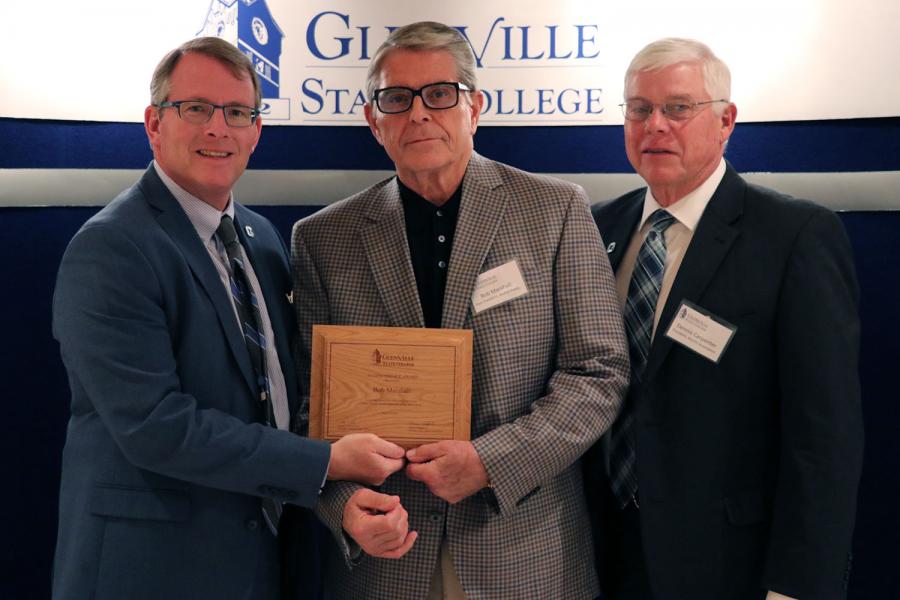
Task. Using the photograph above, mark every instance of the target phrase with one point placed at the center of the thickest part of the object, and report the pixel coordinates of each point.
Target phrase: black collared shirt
(429, 233)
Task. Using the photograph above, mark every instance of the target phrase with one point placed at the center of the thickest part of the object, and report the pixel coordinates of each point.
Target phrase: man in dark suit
(173, 317)
(732, 471)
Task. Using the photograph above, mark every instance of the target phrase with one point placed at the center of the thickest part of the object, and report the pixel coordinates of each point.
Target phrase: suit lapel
(387, 252)
(481, 211)
(179, 228)
(274, 296)
(710, 244)
(617, 224)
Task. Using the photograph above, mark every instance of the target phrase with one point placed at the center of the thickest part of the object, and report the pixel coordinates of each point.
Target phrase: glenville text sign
(509, 54)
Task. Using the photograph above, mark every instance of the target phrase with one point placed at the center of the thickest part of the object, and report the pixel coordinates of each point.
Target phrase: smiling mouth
(213, 154)
(657, 151)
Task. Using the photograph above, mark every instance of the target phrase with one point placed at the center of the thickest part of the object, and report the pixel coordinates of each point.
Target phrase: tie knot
(660, 220)
(226, 231)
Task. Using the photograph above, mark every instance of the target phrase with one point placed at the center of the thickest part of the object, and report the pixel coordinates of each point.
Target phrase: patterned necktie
(640, 308)
(247, 305)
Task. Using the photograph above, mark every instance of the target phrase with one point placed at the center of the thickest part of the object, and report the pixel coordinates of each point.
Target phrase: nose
(216, 126)
(418, 111)
(657, 121)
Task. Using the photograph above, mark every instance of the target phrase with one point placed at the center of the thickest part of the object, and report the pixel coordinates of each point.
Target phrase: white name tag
(500, 284)
(700, 331)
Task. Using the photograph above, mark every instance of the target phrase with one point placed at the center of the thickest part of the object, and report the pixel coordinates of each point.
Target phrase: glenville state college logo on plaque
(249, 25)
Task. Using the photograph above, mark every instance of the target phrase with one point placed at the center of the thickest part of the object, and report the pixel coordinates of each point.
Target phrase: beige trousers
(444, 583)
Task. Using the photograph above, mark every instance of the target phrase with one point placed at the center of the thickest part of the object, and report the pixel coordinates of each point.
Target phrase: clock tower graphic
(249, 25)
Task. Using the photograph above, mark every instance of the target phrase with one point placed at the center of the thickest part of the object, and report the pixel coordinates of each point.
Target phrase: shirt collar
(689, 209)
(417, 207)
(203, 217)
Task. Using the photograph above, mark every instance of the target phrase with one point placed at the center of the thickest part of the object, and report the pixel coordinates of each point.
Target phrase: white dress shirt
(205, 219)
(687, 213)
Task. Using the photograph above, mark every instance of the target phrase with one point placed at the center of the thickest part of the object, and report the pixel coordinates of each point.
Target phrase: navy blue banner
(777, 147)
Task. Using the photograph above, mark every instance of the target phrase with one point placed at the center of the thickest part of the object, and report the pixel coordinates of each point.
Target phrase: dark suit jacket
(166, 456)
(748, 469)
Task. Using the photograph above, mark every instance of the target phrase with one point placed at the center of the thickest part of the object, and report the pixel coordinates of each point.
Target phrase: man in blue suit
(173, 315)
(731, 472)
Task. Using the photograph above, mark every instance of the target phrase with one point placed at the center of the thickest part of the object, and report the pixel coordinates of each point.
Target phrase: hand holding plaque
(410, 386)
(364, 458)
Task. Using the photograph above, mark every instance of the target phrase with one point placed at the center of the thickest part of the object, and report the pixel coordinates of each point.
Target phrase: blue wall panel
(785, 147)
(35, 394)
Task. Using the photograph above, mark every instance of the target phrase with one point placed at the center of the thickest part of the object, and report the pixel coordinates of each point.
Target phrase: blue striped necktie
(248, 310)
(640, 308)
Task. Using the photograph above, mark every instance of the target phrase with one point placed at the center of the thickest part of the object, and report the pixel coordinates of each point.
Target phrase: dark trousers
(631, 581)
(303, 542)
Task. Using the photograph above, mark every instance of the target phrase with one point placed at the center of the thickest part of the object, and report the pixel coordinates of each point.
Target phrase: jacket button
(435, 517)
(251, 524)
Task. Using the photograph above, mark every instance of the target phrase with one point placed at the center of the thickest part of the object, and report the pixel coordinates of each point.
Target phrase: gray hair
(670, 51)
(213, 47)
(425, 35)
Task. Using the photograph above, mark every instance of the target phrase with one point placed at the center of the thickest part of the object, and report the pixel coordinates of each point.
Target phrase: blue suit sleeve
(121, 335)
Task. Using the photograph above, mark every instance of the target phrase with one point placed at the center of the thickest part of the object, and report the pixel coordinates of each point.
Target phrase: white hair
(671, 51)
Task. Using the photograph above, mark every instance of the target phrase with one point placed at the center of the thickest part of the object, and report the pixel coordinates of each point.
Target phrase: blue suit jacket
(166, 457)
(747, 469)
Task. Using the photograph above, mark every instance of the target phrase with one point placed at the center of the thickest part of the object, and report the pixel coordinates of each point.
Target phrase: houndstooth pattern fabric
(640, 308)
(549, 370)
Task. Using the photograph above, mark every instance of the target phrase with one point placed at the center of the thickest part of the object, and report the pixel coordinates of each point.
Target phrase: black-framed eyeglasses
(438, 96)
(675, 110)
(198, 112)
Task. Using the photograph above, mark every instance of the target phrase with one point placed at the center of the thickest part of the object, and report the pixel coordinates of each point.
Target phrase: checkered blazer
(549, 370)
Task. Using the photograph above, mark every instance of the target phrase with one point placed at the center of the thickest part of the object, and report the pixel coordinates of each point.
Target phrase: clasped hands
(451, 470)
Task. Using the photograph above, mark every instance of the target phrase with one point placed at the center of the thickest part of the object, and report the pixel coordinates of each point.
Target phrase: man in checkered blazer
(502, 516)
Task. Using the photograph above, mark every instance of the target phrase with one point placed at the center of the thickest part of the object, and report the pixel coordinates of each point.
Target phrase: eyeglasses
(198, 113)
(640, 110)
(437, 96)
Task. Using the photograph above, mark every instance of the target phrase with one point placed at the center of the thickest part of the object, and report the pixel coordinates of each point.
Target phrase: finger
(398, 519)
(390, 465)
(376, 531)
(388, 540)
(419, 472)
(381, 535)
(370, 500)
(426, 452)
(387, 531)
(404, 548)
(386, 448)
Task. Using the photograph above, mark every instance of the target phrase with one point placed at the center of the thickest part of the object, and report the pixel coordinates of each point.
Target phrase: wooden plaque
(407, 385)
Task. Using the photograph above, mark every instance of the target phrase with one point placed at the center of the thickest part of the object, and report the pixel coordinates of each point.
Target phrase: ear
(728, 118)
(475, 107)
(151, 126)
(258, 126)
(369, 111)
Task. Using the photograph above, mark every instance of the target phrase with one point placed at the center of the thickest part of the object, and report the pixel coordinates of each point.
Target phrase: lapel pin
(611, 247)
(249, 231)
(290, 297)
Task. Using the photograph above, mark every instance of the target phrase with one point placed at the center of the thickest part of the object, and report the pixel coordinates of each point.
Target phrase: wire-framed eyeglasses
(674, 110)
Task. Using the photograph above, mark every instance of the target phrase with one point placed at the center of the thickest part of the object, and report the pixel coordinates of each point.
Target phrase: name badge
(497, 286)
(698, 330)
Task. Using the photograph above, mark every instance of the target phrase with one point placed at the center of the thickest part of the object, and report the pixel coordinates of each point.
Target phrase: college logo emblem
(249, 25)
(259, 31)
